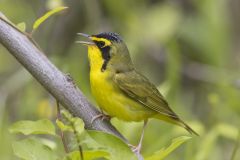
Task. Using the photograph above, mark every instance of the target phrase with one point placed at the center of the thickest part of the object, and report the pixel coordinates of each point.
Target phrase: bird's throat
(98, 58)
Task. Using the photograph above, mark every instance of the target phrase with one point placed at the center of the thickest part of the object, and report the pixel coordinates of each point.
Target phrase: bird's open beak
(85, 42)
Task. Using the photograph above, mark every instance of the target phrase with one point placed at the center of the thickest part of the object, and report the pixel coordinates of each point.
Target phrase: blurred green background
(189, 48)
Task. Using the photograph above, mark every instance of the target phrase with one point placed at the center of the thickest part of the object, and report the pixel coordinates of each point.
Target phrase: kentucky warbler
(119, 89)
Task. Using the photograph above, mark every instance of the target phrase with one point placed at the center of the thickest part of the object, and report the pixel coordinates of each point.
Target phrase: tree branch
(53, 80)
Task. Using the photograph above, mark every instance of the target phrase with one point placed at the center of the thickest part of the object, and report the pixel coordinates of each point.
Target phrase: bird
(119, 89)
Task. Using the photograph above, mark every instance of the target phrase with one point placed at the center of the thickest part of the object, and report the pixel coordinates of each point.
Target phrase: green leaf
(63, 126)
(43, 126)
(117, 149)
(32, 149)
(87, 155)
(49, 143)
(46, 16)
(164, 152)
(21, 26)
(68, 116)
(78, 125)
(74, 123)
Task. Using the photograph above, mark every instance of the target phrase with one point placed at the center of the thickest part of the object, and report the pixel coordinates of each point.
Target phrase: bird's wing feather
(143, 91)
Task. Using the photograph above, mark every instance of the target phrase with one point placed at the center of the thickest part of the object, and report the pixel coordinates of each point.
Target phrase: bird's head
(107, 51)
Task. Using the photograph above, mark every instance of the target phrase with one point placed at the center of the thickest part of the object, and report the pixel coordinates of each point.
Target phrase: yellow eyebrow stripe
(107, 42)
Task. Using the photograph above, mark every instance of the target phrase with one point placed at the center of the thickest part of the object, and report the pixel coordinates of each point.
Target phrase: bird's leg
(137, 149)
(102, 116)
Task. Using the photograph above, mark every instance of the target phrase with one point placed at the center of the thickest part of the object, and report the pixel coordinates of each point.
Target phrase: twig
(59, 117)
(78, 141)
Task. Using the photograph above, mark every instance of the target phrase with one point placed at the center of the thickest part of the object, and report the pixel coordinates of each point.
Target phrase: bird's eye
(101, 44)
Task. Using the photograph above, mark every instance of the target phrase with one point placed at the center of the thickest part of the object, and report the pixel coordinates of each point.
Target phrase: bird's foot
(136, 149)
(102, 116)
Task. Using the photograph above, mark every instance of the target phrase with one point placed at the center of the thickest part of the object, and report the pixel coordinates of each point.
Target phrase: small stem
(59, 117)
(78, 141)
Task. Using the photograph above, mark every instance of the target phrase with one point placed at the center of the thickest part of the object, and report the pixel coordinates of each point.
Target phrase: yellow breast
(108, 96)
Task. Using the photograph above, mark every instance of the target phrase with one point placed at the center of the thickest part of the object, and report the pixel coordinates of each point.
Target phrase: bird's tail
(176, 120)
(187, 127)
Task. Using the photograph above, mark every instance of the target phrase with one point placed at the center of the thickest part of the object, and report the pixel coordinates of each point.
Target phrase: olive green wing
(143, 91)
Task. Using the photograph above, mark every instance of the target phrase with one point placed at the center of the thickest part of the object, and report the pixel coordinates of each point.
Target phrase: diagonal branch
(53, 80)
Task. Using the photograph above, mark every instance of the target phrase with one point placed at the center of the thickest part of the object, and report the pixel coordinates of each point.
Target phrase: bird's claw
(102, 116)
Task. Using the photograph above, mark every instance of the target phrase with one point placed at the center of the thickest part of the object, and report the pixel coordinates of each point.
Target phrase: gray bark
(53, 80)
